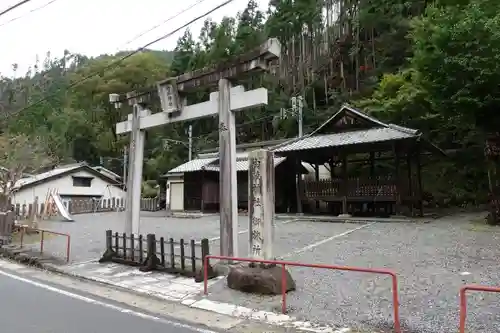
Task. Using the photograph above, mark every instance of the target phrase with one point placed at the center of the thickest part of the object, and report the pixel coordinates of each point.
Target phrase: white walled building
(76, 181)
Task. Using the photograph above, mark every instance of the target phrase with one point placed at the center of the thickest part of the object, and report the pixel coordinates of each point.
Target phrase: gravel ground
(430, 260)
(291, 235)
(88, 231)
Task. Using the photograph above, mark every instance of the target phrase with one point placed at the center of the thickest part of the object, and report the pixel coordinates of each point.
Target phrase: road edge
(245, 320)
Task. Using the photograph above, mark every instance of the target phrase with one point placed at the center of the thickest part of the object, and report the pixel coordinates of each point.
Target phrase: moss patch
(29, 238)
(481, 225)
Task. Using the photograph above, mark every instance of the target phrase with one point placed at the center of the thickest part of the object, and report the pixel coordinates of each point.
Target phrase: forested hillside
(431, 65)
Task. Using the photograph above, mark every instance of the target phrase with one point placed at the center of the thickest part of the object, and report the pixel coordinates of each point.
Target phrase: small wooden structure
(374, 167)
(199, 179)
(201, 183)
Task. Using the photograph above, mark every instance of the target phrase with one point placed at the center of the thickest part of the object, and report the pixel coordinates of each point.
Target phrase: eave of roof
(101, 168)
(371, 135)
(209, 164)
(383, 132)
(191, 166)
(243, 164)
(60, 172)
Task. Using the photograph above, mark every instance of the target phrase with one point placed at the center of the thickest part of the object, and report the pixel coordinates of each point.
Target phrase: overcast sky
(93, 27)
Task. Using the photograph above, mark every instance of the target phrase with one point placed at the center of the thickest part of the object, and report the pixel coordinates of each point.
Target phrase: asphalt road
(29, 306)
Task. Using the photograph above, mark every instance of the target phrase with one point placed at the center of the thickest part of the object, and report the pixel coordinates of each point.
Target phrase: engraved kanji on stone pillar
(261, 204)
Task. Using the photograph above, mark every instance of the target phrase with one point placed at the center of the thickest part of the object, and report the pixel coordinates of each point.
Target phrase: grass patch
(481, 225)
(29, 238)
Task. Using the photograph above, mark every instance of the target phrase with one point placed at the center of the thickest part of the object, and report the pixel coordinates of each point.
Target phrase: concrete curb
(312, 218)
(35, 262)
(256, 317)
(334, 219)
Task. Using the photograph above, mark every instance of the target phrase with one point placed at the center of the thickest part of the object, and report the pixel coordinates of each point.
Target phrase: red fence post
(463, 301)
(42, 240)
(395, 297)
(463, 309)
(395, 301)
(283, 288)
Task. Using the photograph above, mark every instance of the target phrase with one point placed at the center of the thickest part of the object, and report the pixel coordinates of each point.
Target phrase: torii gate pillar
(224, 103)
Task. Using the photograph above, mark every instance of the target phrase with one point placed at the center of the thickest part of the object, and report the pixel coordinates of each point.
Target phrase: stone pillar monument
(260, 278)
(261, 204)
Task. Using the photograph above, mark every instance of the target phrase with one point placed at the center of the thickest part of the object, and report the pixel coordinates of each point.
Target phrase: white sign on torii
(224, 103)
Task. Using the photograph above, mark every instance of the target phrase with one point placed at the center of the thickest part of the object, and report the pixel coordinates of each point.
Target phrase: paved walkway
(185, 291)
(165, 286)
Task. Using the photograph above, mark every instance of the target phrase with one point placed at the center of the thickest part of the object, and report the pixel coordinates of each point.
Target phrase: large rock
(259, 280)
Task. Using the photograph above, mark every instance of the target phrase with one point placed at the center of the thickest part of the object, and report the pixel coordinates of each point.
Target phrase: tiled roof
(58, 171)
(193, 165)
(216, 155)
(209, 165)
(242, 164)
(45, 175)
(346, 138)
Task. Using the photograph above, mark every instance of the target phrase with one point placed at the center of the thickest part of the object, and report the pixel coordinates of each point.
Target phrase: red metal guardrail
(42, 237)
(463, 301)
(397, 324)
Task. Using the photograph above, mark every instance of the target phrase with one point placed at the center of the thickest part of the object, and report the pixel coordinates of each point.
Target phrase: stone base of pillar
(258, 279)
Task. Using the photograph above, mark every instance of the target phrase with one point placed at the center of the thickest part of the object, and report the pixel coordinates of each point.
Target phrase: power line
(31, 11)
(162, 23)
(19, 4)
(120, 60)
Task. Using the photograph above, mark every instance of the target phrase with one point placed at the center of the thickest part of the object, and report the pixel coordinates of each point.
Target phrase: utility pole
(125, 161)
(297, 108)
(297, 105)
(190, 142)
(300, 115)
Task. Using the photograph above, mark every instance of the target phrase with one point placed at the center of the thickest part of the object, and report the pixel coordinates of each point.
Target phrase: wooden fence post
(109, 253)
(205, 251)
(152, 259)
(6, 225)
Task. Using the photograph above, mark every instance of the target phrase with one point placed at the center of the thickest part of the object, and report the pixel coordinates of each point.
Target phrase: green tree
(457, 55)
(20, 154)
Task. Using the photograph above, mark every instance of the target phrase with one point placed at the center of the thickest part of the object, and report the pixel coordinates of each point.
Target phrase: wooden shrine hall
(373, 168)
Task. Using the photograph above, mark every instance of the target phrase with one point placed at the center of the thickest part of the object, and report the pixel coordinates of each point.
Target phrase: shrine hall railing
(356, 187)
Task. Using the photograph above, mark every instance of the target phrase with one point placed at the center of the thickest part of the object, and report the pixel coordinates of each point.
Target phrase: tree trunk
(492, 152)
(4, 203)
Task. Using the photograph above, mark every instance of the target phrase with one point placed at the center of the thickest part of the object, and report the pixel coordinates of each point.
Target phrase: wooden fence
(150, 204)
(166, 255)
(83, 206)
(6, 227)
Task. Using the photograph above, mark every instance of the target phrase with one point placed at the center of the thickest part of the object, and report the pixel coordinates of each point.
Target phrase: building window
(82, 181)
